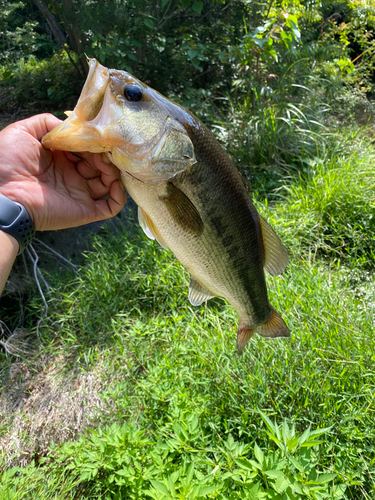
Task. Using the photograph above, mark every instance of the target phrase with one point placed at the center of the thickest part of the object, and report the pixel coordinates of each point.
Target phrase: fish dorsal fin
(275, 254)
(198, 294)
(244, 182)
(182, 210)
(149, 228)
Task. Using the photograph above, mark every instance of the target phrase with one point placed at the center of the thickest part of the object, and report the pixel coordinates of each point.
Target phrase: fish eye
(133, 92)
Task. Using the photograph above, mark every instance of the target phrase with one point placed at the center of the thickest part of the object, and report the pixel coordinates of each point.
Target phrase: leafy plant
(178, 462)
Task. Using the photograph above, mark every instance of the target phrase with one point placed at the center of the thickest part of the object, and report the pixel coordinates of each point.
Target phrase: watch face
(9, 211)
(15, 220)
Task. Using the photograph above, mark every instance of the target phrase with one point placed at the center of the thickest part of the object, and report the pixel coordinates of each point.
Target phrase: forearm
(9, 248)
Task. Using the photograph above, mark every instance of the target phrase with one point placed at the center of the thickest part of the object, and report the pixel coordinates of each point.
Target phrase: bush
(180, 462)
(36, 86)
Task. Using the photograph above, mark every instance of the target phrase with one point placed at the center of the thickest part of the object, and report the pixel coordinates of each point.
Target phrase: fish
(191, 198)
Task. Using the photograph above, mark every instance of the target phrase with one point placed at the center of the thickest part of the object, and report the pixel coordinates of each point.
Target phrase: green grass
(334, 203)
(184, 416)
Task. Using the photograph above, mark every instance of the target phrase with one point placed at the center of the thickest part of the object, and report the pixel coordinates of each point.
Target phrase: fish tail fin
(244, 334)
(274, 327)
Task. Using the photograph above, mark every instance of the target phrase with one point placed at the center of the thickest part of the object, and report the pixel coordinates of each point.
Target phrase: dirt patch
(40, 406)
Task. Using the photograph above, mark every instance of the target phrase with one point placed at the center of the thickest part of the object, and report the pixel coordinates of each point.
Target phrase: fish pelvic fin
(275, 254)
(149, 228)
(274, 327)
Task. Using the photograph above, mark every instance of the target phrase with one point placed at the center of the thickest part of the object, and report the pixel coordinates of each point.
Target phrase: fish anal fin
(182, 210)
(274, 327)
(149, 228)
(275, 254)
(197, 293)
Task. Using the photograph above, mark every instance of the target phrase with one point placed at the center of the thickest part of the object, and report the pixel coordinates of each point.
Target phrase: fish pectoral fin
(197, 293)
(149, 228)
(274, 327)
(182, 210)
(275, 255)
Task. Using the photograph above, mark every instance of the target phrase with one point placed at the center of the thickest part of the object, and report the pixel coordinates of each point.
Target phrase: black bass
(190, 196)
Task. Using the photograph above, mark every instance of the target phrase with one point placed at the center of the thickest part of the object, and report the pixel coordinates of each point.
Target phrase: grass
(181, 415)
(336, 202)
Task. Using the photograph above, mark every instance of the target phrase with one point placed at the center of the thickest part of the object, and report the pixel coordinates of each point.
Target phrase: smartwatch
(15, 221)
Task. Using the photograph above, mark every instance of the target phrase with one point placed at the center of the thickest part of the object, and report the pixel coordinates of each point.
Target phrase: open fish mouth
(84, 127)
(118, 114)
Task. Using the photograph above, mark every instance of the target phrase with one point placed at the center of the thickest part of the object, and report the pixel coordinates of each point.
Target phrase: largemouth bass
(190, 196)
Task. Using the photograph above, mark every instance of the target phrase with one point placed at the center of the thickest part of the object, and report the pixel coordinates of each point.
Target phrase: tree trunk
(52, 23)
(74, 32)
(61, 38)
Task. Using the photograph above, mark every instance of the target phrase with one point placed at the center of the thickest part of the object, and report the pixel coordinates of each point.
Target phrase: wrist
(9, 248)
(9, 244)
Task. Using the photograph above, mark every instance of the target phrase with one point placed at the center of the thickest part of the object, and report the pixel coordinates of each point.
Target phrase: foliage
(263, 57)
(30, 82)
(354, 28)
(16, 484)
(22, 33)
(178, 462)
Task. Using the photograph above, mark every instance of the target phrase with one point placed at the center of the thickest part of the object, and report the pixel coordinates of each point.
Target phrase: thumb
(39, 125)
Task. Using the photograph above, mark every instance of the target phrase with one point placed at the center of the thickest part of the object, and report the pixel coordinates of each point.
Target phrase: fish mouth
(84, 127)
(152, 146)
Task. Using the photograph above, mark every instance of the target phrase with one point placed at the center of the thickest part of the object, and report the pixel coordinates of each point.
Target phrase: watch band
(15, 221)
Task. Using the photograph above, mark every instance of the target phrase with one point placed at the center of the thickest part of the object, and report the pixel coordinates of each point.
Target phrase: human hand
(58, 189)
